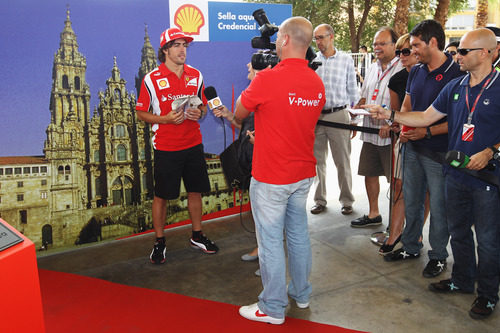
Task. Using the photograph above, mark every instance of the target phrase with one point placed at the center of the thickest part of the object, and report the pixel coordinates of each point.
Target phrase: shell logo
(189, 19)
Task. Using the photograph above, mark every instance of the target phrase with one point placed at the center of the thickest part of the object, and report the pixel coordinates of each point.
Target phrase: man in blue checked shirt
(339, 77)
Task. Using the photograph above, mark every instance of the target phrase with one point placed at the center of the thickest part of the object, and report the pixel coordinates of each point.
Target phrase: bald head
(482, 37)
(328, 28)
(300, 31)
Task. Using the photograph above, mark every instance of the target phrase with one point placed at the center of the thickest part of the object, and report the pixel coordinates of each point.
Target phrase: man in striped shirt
(375, 158)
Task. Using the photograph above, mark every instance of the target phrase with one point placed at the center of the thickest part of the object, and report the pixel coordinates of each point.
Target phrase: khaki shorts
(375, 161)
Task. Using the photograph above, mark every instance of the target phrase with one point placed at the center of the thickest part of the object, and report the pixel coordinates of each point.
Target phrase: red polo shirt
(287, 101)
(159, 89)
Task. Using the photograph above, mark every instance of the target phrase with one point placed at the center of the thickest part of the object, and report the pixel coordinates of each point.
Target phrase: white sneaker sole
(302, 305)
(252, 312)
(200, 246)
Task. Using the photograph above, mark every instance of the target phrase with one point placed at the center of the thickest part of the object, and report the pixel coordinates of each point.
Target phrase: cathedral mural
(94, 180)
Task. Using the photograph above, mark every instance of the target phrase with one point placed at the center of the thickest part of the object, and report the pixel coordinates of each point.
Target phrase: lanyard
(471, 111)
(384, 74)
(379, 80)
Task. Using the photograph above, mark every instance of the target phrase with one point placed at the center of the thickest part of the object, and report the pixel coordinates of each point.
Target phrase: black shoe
(317, 209)
(446, 287)
(482, 308)
(434, 268)
(385, 249)
(157, 256)
(204, 244)
(401, 254)
(365, 221)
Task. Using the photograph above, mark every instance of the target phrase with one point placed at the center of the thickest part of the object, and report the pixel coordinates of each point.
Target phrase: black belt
(332, 110)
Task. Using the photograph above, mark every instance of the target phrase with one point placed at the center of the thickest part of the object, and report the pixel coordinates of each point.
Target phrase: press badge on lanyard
(468, 132)
(468, 129)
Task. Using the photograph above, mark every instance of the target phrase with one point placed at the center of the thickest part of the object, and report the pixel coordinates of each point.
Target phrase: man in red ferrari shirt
(178, 151)
(286, 101)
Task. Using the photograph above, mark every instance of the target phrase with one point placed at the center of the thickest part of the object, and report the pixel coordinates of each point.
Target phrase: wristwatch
(496, 153)
(428, 135)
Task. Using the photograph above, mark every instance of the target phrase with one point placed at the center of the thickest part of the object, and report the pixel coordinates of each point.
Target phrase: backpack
(236, 160)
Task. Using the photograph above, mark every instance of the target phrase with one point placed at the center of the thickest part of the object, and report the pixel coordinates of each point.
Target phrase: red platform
(21, 303)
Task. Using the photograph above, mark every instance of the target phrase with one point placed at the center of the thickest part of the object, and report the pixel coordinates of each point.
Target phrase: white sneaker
(302, 305)
(252, 312)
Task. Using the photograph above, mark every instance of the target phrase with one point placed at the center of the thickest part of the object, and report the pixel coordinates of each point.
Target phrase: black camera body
(267, 56)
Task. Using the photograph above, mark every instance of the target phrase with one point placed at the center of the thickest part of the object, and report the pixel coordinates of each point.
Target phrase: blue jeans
(420, 174)
(277, 209)
(479, 207)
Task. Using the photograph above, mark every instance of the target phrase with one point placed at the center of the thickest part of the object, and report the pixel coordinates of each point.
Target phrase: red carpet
(74, 303)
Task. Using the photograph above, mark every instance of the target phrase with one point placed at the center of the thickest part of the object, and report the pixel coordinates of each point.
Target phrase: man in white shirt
(375, 158)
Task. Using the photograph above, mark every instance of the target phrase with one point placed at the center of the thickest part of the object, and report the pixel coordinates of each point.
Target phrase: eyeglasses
(406, 52)
(381, 44)
(464, 52)
(320, 37)
(452, 53)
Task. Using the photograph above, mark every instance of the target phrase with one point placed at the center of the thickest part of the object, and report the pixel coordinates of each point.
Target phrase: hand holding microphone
(214, 101)
(478, 161)
(215, 104)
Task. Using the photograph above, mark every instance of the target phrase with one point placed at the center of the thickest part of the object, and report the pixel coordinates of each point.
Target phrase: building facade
(461, 22)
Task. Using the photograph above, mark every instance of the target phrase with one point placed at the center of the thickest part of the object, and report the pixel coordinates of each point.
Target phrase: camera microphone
(458, 159)
(213, 100)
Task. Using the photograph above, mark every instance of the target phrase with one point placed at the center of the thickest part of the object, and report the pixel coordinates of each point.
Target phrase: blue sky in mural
(30, 37)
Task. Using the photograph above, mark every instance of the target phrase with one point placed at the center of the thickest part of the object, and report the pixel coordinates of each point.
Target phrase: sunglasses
(406, 52)
(464, 52)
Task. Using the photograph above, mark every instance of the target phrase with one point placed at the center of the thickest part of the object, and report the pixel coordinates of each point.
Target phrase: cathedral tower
(65, 147)
(148, 60)
(148, 63)
(117, 176)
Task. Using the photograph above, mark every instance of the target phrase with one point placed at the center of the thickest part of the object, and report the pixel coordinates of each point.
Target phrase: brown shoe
(346, 210)
(317, 209)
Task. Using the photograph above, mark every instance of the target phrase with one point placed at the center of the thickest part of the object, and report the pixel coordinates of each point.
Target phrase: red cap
(172, 34)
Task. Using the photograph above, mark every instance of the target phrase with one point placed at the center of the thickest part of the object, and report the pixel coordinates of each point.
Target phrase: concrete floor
(353, 286)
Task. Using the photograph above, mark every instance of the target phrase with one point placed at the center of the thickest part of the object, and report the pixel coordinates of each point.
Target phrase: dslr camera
(266, 56)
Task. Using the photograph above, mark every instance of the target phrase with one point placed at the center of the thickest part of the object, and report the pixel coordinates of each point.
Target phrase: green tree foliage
(381, 13)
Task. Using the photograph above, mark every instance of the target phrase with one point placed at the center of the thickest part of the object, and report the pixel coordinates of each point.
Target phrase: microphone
(458, 159)
(213, 100)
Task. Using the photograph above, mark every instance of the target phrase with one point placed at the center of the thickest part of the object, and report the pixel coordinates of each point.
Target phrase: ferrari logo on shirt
(191, 82)
(162, 83)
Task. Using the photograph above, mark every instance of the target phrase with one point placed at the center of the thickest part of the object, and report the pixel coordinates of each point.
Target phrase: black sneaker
(365, 221)
(482, 308)
(204, 244)
(434, 268)
(157, 256)
(400, 254)
(446, 287)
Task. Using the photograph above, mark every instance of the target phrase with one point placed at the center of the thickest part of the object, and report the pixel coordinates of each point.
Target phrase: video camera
(267, 56)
